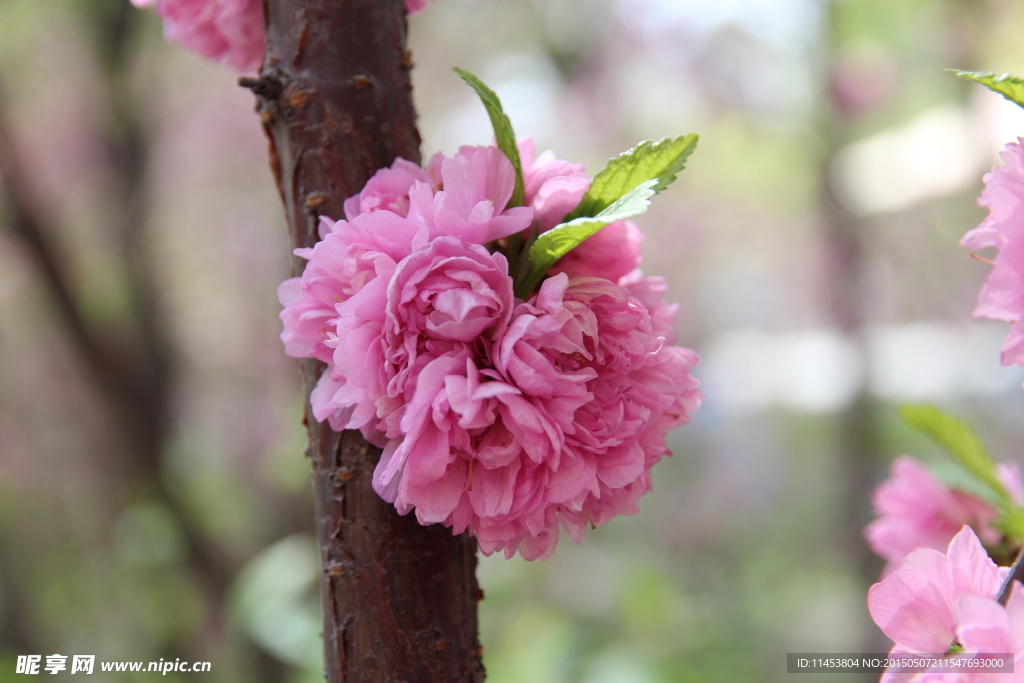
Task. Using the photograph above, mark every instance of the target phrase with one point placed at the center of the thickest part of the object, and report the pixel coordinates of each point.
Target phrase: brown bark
(335, 98)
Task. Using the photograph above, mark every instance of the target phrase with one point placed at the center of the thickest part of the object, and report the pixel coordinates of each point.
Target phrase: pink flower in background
(1002, 297)
(414, 6)
(228, 31)
(506, 418)
(916, 510)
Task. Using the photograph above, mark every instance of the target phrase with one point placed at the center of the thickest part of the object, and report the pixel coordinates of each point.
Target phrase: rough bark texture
(335, 98)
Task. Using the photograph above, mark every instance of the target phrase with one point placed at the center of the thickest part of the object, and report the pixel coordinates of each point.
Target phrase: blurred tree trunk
(847, 239)
(132, 365)
(857, 426)
(335, 98)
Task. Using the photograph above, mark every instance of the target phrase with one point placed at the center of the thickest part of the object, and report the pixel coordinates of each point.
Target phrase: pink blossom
(228, 31)
(592, 330)
(612, 253)
(983, 627)
(503, 418)
(650, 291)
(934, 600)
(642, 390)
(414, 6)
(477, 451)
(560, 431)
(447, 298)
(1002, 296)
(387, 190)
(916, 605)
(552, 187)
(918, 511)
(986, 627)
(476, 186)
(354, 254)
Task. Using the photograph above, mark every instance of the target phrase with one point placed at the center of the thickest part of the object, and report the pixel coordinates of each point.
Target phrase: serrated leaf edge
(980, 77)
(541, 263)
(634, 155)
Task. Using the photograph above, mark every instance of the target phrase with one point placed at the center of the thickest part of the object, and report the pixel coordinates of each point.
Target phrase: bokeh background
(154, 497)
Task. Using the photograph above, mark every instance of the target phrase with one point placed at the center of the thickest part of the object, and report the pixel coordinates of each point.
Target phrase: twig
(1016, 574)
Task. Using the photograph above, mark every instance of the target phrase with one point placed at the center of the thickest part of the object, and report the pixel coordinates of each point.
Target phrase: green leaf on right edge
(503, 132)
(957, 437)
(1010, 87)
(658, 160)
(563, 238)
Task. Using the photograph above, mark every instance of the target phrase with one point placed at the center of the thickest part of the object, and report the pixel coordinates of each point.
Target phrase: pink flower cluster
(916, 510)
(228, 31)
(503, 417)
(936, 599)
(1002, 297)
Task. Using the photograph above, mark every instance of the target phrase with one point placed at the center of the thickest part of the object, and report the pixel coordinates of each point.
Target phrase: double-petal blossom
(505, 418)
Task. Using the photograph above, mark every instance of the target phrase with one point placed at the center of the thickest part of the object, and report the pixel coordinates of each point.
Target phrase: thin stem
(1016, 574)
(515, 252)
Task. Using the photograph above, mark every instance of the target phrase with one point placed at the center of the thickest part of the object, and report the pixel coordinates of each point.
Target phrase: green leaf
(1010, 87)
(1011, 522)
(658, 160)
(953, 474)
(957, 437)
(503, 132)
(563, 238)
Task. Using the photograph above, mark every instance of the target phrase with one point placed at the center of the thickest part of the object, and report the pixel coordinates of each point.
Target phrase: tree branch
(335, 100)
(27, 222)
